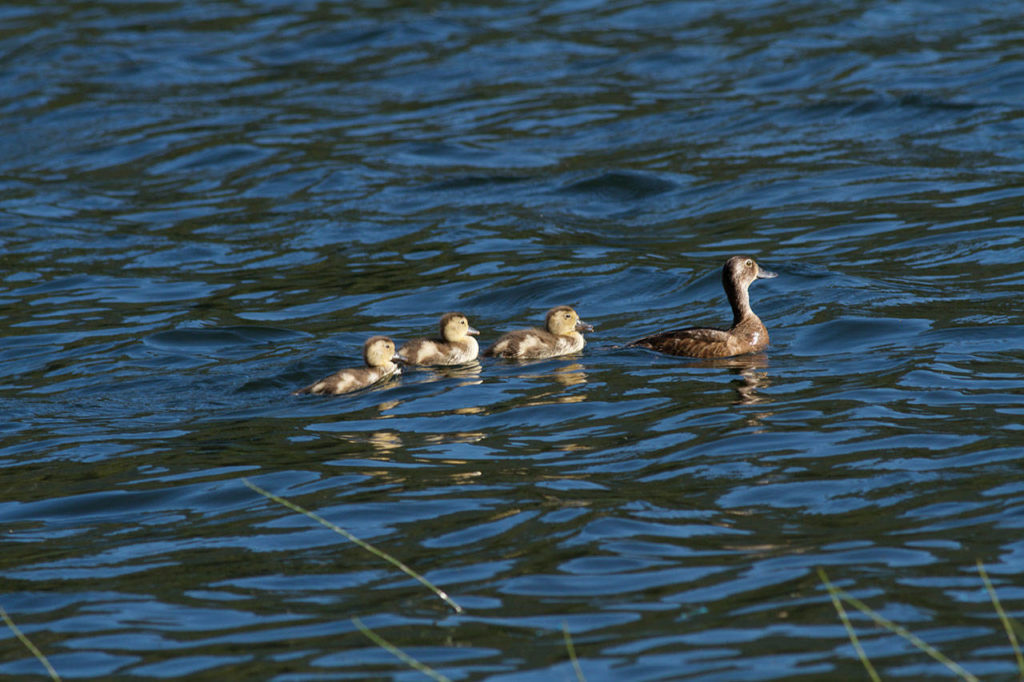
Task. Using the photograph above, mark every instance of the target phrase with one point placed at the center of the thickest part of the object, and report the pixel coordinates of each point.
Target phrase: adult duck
(747, 334)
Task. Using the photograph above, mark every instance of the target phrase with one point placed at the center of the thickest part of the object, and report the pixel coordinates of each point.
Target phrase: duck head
(378, 351)
(564, 320)
(455, 327)
(741, 271)
(738, 274)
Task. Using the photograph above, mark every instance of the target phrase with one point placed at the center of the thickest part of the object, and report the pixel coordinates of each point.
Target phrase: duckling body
(561, 336)
(379, 355)
(455, 347)
(747, 334)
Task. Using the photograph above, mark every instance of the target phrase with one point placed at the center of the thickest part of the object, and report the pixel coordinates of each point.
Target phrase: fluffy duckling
(379, 354)
(747, 334)
(455, 347)
(561, 337)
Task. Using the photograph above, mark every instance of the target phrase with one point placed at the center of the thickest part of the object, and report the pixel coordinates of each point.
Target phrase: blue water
(206, 206)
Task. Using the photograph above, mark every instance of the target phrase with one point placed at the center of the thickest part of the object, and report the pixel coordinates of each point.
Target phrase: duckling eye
(750, 263)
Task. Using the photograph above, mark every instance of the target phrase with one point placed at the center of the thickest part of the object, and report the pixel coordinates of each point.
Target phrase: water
(205, 207)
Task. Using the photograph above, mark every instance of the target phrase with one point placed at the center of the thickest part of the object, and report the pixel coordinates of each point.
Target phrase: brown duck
(747, 334)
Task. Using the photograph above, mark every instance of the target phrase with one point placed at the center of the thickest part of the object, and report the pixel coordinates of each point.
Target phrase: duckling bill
(456, 346)
(747, 334)
(379, 356)
(562, 335)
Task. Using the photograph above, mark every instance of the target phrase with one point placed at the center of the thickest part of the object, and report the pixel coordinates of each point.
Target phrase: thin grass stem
(398, 653)
(572, 653)
(905, 634)
(365, 545)
(1002, 617)
(29, 645)
(861, 654)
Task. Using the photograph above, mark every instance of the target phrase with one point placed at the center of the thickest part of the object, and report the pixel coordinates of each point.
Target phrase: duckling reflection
(747, 334)
(455, 346)
(463, 437)
(562, 335)
(379, 356)
(568, 376)
(386, 405)
(468, 372)
(383, 443)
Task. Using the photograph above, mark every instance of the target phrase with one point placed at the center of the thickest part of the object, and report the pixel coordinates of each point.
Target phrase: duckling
(561, 337)
(379, 355)
(747, 334)
(455, 347)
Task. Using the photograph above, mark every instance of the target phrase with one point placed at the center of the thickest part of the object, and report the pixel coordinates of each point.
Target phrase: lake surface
(206, 206)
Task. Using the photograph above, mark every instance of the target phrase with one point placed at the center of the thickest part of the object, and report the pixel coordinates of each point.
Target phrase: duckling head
(379, 351)
(564, 320)
(455, 327)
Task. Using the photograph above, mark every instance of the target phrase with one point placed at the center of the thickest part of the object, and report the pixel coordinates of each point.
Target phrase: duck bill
(582, 326)
(472, 332)
(765, 274)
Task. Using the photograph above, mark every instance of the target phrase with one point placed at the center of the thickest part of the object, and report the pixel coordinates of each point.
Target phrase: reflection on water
(456, 437)
(753, 377)
(566, 376)
(382, 442)
(469, 371)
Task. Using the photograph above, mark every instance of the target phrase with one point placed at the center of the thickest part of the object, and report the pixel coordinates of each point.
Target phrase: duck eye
(750, 263)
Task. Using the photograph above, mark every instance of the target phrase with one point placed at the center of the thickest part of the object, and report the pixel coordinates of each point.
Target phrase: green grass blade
(365, 545)
(849, 626)
(398, 653)
(572, 653)
(1002, 617)
(29, 645)
(905, 634)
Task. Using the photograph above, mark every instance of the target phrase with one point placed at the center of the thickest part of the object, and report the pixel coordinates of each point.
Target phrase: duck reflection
(464, 437)
(383, 443)
(566, 376)
(386, 405)
(751, 372)
(388, 444)
(468, 372)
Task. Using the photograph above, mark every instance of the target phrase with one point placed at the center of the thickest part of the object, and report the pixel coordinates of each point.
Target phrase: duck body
(456, 346)
(562, 335)
(747, 334)
(379, 355)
